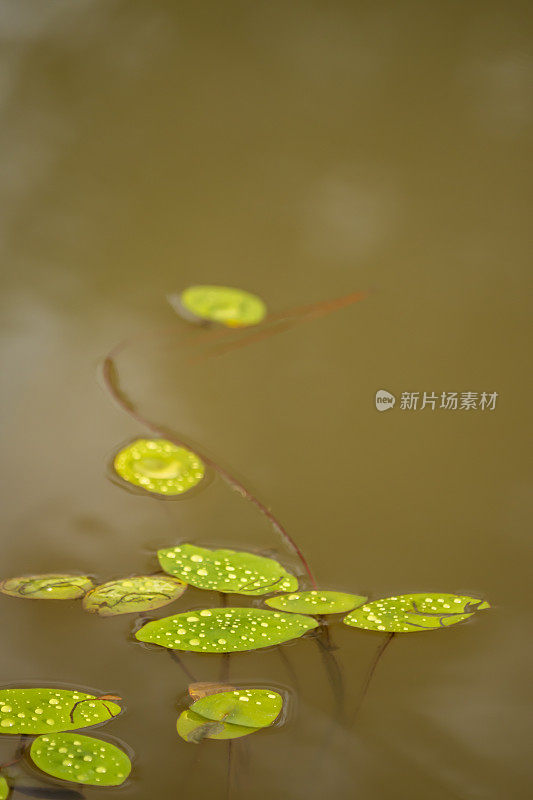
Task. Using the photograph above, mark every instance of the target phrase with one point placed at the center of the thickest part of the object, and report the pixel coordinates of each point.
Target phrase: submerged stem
(179, 661)
(336, 681)
(366, 685)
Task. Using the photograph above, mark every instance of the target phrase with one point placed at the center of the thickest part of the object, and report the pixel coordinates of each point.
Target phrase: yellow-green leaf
(225, 630)
(159, 466)
(228, 571)
(254, 708)
(47, 587)
(81, 759)
(316, 602)
(234, 308)
(4, 788)
(43, 710)
(414, 612)
(134, 594)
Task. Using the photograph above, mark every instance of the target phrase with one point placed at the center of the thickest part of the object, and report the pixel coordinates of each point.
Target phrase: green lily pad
(81, 759)
(129, 595)
(159, 466)
(414, 612)
(225, 630)
(232, 307)
(47, 587)
(37, 710)
(4, 788)
(253, 708)
(228, 571)
(316, 602)
(194, 728)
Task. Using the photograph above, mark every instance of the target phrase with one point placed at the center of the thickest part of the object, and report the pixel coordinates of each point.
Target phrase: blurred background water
(300, 151)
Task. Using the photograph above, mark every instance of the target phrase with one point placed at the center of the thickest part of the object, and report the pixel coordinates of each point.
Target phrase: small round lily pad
(414, 612)
(81, 759)
(225, 630)
(44, 710)
(159, 466)
(229, 571)
(47, 587)
(316, 602)
(134, 594)
(194, 728)
(254, 708)
(228, 306)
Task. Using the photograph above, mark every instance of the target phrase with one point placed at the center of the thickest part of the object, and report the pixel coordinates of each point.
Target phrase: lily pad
(47, 587)
(4, 788)
(194, 728)
(254, 708)
(414, 612)
(129, 595)
(225, 630)
(234, 308)
(228, 571)
(81, 759)
(316, 602)
(159, 466)
(37, 710)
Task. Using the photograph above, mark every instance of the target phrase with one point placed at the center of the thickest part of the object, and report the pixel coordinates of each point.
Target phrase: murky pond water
(303, 152)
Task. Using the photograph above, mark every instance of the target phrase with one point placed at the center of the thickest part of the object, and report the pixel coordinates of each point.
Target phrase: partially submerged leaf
(159, 466)
(414, 612)
(4, 788)
(225, 630)
(47, 587)
(43, 710)
(316, 602)
(228, 571)
(194, 728)
(134, 594)
(203, 689)
(81, 759)
(234, 308)
(254, 708)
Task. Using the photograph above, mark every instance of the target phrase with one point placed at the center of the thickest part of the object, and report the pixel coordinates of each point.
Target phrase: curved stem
(110, 379)
(370, 674)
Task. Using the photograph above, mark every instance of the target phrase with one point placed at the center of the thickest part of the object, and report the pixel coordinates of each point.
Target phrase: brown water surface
(301, 151)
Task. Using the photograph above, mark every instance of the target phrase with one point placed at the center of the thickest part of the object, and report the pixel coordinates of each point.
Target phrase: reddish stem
(109, 376)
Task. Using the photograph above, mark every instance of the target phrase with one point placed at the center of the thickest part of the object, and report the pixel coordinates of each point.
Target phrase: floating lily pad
(316, 602)
(81, 759)
(225, 630)
(129, 595)
(39, 710)
(47, 587)
(232, 307)
(414, 612)
(159, 466)
(194, 728)
(254, 708)
(4, 788)
(228, 571)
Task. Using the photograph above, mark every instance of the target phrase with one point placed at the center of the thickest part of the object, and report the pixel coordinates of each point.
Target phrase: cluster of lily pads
(157, 466)
(51, 714)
